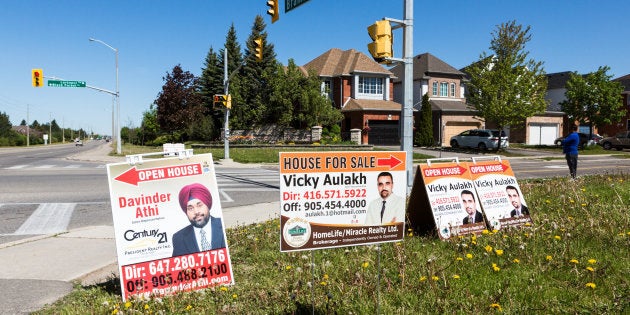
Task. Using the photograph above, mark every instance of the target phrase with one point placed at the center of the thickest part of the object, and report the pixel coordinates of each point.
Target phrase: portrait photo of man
(205, 232)
(515, 200)
(388, 208)
(470, 205)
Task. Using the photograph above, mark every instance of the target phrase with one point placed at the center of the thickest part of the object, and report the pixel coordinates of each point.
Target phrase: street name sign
(292, 4)
(60, 83)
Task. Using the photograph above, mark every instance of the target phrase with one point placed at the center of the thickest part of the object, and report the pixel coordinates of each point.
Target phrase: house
(445, 85)
(363, 90)
(624, 123)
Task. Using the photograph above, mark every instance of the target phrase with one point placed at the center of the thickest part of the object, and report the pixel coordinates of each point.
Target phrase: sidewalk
(42, 269)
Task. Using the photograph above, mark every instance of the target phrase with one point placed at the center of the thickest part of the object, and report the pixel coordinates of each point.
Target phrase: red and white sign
(335, 199)
(153, 201)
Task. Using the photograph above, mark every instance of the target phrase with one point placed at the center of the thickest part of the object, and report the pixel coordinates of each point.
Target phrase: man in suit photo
(515, 200)
(470, 205)
(196, 202)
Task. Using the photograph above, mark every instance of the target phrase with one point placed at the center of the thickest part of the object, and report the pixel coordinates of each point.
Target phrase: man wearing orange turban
(196, 202)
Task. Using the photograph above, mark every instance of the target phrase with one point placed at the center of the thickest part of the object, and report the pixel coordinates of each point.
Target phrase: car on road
(482, 139)
(619, 141)
(78, 143)
(584, 140)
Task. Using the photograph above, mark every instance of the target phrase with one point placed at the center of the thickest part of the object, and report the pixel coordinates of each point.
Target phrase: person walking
(570, 150)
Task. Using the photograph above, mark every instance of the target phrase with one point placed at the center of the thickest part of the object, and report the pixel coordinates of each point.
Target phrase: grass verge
(573, 259)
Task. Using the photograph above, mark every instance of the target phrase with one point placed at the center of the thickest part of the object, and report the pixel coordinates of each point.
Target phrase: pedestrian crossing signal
(222, 100)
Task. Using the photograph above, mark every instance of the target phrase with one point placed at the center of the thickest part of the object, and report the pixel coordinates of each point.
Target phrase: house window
(325, 90)
(452, 89)
(434, 88)
(444, 89)
(370, 85)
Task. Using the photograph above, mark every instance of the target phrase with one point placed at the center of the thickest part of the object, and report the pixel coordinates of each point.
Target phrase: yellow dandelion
(499, 252)
(423, 278)
(528, 224)
(583, 189)
(469, 256)
(589, 268)
(583, 205)
(435, 278)
(224, 289)
(569, 218)
(574, 261)
(365, 264)
(572, 201)
(557, 237)
(473, 237)
(592, 261)
(323, 283)
(549, 258)
(485, 232)
(127, 304)
(516, 261)
(591, 285)
(115, 311)
(488, 248)
(234, 295)
(494, 231)
(459, 259)
(526, 234)
(325, 277)
(146, 306)
(495, 267)
(547, 201)
(455, 276)
(496, 306)
(188, 307)
(288, 267)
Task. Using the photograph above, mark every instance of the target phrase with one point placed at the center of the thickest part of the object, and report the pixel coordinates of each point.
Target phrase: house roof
(557, 80)
(336, 62)
(370, 105)
(450, 106)
(426, 65)
(625, 81)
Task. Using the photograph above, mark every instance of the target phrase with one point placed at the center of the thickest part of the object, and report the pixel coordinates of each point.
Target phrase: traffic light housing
(381, 47)
(37, 76)
(273, 10)
(258, 49)
(222, 100)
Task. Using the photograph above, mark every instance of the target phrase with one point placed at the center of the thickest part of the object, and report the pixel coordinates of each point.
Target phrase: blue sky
(154, 36)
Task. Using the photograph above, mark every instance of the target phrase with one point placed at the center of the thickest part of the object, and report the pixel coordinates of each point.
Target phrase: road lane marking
(48, 218)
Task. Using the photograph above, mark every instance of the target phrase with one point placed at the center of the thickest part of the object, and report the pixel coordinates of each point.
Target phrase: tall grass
(573, 259)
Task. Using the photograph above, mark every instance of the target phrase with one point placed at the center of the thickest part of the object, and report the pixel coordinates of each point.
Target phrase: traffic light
(258, 50)
(381, 47)
(222, 100)
(37, 76)
(273, 10)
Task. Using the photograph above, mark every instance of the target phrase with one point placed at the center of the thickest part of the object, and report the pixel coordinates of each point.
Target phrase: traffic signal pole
(226, 124)
(407, 117)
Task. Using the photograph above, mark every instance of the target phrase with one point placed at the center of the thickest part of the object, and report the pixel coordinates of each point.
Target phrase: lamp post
(118, 141)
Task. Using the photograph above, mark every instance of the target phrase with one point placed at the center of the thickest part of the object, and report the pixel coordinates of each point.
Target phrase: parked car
(584, 140)
(78, 143)
(619, 141)
(481, 139)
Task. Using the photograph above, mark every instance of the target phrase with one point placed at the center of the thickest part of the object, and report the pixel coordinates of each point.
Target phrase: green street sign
(60, 83)
(292, 4)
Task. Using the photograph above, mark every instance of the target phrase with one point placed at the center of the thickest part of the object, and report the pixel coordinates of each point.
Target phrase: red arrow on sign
(392, 161)
(133, 176)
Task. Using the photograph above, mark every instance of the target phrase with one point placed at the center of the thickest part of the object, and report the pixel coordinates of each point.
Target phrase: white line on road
(48, 218)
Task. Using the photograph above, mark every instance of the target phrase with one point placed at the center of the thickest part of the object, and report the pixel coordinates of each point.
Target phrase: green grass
(574, 259)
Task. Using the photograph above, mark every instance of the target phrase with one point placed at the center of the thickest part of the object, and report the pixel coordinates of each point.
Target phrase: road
(42, 192)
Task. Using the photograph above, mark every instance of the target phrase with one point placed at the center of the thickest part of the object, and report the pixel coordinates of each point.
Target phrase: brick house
(363, 90)
(624, 123)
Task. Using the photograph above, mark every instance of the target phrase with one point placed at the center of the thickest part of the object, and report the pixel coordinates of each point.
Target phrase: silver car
(481, 139)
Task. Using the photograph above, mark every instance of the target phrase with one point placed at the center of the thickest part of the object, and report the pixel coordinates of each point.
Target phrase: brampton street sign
(60, 83)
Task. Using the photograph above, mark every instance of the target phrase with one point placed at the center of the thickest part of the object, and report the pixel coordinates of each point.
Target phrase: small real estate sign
(168, 226)
(499, 193)
(336, 199)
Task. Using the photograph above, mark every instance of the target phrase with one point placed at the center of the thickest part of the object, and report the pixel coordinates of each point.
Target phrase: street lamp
(118, 143)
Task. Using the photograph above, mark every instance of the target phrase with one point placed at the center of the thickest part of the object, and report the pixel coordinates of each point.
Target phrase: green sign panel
(60, 83)
(292, 4)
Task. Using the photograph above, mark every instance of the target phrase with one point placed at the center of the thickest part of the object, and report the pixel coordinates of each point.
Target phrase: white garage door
(542, 134)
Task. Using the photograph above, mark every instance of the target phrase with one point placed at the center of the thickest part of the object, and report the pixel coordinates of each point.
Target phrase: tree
(424, 125)
(211, 82)
(593, 99)
(317, 109)
(149, 127)
(179, 103)
(507, 87)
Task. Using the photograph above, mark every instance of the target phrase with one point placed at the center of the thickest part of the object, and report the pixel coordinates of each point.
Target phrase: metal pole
(226, 124)
(407, 117)
(118, 140)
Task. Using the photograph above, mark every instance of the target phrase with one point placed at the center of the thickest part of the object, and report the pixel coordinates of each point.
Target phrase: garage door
(384, 132)
(542, 134)
(455, 128)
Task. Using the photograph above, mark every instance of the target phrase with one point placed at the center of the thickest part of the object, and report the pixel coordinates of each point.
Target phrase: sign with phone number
(182, 273)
